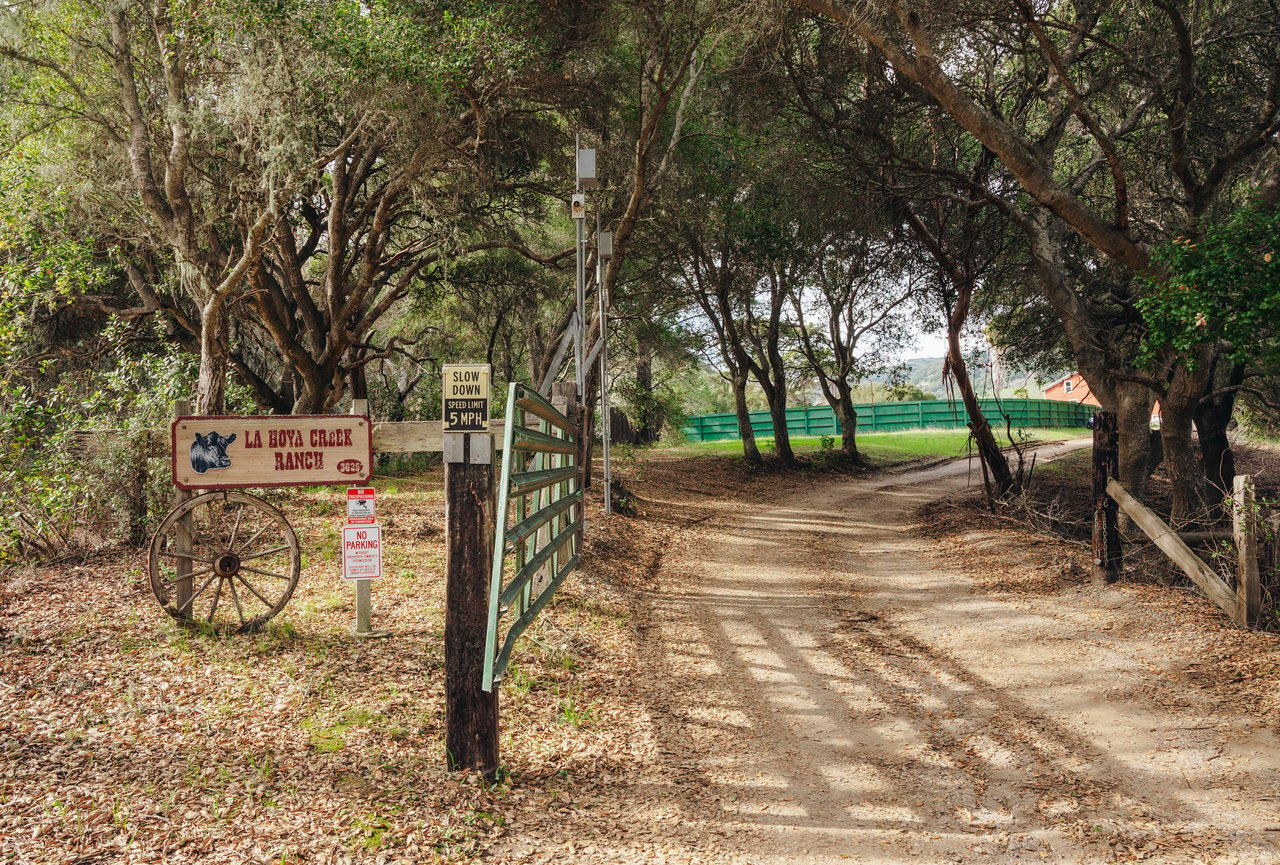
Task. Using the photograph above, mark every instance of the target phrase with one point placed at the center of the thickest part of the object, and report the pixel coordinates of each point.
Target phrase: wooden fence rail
(1243, 603)
(1214, 587)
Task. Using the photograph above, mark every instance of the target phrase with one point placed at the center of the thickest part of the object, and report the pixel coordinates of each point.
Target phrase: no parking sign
(362, 552)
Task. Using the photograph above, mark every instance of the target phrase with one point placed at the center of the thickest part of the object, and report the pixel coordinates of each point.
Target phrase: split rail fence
(1254, 536)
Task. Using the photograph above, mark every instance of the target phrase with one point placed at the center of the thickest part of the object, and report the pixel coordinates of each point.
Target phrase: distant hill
(926, 374)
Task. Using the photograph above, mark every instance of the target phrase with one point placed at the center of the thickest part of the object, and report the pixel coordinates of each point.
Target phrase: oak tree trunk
(1181, 455)
(211, 386)
(750, 451)
(848, 416)
(988, 451)
(781, 435)
(1213, 415)
(1133, 420)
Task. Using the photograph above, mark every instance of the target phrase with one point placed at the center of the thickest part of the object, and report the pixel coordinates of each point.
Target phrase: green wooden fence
(820, 420)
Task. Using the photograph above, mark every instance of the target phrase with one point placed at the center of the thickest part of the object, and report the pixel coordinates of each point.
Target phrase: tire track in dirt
(842, 697)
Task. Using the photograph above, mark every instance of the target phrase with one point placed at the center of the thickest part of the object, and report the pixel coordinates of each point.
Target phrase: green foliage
(1226, 287)
(43, 264)
(908, 392)
(60, 491)
(441, 45)
(827, 456)
(571, 711)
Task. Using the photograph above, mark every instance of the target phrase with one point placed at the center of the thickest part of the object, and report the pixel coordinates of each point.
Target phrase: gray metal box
(587, 168)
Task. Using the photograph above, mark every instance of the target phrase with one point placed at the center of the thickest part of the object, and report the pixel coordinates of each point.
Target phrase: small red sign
(360, 509)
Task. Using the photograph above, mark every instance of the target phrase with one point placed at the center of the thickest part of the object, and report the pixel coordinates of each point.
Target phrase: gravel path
(839, 695)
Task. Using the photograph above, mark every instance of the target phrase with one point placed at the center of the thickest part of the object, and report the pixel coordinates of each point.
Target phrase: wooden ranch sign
(214, 453)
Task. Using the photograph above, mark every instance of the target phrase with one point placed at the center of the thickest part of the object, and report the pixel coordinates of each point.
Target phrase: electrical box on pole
(587, 168)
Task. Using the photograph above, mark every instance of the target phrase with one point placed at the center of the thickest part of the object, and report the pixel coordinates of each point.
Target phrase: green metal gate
(539, 520)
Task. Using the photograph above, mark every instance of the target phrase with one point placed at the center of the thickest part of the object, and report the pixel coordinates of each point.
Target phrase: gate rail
(540, 482)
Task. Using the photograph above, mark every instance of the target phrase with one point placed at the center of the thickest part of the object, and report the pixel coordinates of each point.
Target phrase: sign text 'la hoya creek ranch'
(283, 450)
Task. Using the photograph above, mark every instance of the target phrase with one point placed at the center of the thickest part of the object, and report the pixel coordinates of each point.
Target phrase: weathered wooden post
(1244, 529)
(182, 532)
(471, 725)
(471, 713)
(1106, 532)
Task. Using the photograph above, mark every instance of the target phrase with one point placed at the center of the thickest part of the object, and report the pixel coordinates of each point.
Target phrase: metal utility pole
(585, 178)
(604, 251)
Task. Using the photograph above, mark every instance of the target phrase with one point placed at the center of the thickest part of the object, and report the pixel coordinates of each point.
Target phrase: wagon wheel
(225, 559)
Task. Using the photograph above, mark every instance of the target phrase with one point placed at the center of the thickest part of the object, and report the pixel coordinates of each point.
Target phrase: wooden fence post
(471, 713)
(1244, 528)
(1106, 465)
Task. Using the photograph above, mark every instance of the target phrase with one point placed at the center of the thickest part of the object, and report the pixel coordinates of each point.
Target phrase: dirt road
(839, 695)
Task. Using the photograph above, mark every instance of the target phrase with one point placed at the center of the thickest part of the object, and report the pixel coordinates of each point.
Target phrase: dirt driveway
(829, 691)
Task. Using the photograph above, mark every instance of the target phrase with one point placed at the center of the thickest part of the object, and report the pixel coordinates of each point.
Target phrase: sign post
(471, 713)
(361, 559)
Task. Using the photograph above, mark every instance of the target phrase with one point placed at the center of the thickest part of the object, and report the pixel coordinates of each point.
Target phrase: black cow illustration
(210, 452)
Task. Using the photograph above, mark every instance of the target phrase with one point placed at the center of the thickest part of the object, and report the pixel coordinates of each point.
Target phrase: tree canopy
(298, 203)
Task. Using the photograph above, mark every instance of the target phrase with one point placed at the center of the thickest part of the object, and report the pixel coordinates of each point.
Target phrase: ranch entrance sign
(218, 453)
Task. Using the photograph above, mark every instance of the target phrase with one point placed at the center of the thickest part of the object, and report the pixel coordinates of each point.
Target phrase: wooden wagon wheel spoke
(174, 554)
(201, 538)
(235, 530)
(248, 585)
(192, 575)
(235, 597)
(256, 535)
(259, 555)
(213, 520)
(196, 593)
(264, 573)
(217, 594)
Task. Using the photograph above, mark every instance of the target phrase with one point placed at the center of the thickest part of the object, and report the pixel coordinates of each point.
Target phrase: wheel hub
(227, 565)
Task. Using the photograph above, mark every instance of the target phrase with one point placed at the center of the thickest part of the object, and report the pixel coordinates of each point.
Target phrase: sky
(928, 345)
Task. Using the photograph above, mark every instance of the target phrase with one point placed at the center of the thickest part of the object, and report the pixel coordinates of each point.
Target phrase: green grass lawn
(887, 448)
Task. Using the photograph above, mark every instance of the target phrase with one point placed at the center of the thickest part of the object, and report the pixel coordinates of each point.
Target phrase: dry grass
(128, 738)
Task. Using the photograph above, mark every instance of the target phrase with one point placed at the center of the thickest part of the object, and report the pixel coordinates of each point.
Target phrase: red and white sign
(362, 552)
(360, 506)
